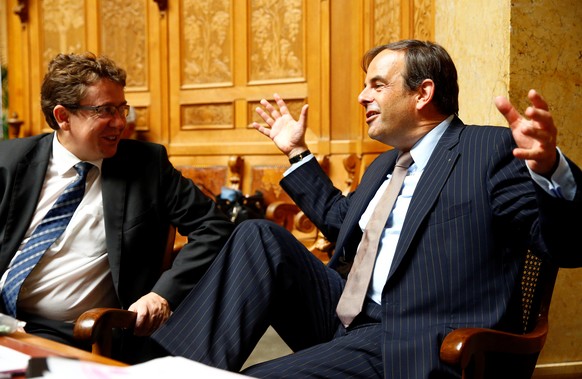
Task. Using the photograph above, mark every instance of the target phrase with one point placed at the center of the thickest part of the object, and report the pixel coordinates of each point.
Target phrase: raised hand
(535, 135)
(287, 133)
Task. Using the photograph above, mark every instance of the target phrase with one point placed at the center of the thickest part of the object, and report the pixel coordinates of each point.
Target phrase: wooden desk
(41, 347)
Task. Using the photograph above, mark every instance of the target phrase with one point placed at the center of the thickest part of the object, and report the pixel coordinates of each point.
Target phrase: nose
(118, 120)
(364, 97)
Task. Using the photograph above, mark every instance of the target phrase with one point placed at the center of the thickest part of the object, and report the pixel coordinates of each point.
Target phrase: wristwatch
(299, 157)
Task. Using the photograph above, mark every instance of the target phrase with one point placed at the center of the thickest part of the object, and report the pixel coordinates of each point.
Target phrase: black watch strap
(299, 157)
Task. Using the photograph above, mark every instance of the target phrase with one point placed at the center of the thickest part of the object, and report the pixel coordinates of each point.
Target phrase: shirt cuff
(562, 184)
(294, 166)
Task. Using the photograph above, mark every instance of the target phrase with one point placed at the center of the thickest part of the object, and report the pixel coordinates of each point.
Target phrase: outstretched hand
(287, 133)
(535, 135)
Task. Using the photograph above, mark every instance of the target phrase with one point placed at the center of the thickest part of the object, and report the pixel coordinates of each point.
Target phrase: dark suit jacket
(142, 195)
(472, 217)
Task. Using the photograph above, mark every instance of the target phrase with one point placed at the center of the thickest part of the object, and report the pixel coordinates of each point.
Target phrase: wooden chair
(280, 208)
(482, 353)
(210, 180)
(96, 325)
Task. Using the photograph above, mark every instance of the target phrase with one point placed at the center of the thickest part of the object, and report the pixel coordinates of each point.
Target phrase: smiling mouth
(370, 115)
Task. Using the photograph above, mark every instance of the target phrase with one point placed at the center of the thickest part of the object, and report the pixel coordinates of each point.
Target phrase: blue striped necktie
(50, 228)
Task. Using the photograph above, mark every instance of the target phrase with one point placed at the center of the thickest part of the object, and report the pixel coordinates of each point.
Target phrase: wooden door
(225, 56)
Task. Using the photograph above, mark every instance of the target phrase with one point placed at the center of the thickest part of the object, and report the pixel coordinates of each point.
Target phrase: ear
(425, 93)
(61, 114)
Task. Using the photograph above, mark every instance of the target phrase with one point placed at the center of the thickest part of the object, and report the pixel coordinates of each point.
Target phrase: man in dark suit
(111, 252)
(474, 200)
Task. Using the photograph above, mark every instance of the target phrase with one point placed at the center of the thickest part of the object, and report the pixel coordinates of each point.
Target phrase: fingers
(303, 115)
(507, 110)
(264, 115)
(535, 133)
(537, 100)
(148, 322)
(275, 114)
(538, 112)
(152, 311)
(272, 114)
(281, 104)
(262, 129)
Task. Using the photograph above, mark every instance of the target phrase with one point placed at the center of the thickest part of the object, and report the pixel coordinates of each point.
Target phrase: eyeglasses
(102, 111)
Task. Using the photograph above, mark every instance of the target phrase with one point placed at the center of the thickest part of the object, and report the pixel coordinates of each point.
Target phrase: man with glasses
(111, 248)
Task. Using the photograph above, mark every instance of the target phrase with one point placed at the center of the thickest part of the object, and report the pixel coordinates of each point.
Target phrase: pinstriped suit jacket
(473, 215)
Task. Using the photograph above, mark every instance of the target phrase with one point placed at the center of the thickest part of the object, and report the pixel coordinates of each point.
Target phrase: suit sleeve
(525, 211)
(560, 222)
(196, 216)
(315, 194)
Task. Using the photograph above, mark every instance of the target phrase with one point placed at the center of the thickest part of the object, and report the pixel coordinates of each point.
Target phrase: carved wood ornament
(22, 10)
(162, 5)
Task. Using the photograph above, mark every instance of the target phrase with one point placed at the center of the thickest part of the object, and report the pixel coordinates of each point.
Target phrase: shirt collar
(63, 160)
(423, 148)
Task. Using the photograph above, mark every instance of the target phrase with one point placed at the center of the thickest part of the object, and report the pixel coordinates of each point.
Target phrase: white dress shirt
(73, 275)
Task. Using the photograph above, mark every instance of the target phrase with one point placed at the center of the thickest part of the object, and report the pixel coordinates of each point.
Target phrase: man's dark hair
(425, 60)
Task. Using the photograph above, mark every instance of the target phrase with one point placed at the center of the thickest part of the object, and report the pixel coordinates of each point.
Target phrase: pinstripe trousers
(265, 276)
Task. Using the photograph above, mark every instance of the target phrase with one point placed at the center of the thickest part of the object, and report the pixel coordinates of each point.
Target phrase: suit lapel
(114, 189)
(28, 182)
(428, 189)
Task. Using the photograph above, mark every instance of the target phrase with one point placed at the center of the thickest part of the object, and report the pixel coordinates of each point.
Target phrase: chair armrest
(303, 223)
(462, 344)
(282, 213)
(96, 325)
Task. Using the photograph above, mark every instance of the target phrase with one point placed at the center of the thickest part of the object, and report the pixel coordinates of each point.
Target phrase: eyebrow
(111, 103)
(377, 78)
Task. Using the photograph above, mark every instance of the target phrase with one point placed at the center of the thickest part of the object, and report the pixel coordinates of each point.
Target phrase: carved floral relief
(207, 43)
(124, 37)
(63, 27)
(386, 21)
(277, 41)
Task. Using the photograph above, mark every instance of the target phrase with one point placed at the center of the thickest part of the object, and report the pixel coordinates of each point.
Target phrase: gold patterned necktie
(352, 298)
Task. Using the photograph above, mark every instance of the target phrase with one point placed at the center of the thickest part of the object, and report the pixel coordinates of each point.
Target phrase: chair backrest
(538, 277)
(537, 286)
(210, 179)
(489, 353)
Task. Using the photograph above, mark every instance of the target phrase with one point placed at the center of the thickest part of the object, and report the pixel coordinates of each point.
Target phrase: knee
(263, 232)
(258, 226)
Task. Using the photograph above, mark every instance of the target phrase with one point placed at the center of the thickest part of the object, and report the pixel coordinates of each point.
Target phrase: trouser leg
(262, 276)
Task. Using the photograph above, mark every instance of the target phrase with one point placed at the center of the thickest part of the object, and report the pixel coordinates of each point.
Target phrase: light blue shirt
(420, 152)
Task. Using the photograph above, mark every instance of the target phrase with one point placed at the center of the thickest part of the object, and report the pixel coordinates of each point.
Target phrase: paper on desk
(167, 367)
(12, 361)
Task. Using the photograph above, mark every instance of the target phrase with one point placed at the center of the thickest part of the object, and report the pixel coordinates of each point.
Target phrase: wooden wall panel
(251, 50)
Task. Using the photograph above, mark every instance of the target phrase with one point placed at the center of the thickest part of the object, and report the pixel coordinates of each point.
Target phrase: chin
(108, 153)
